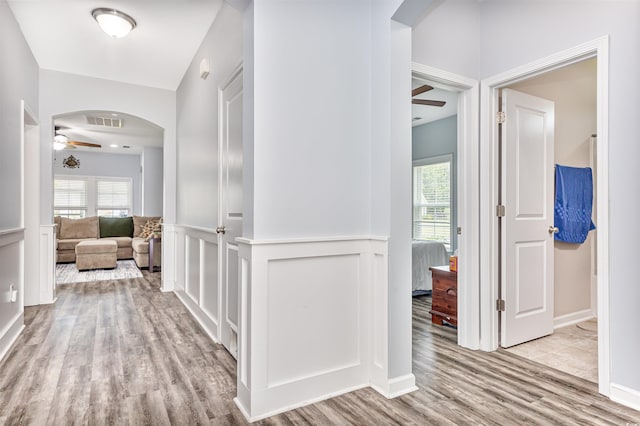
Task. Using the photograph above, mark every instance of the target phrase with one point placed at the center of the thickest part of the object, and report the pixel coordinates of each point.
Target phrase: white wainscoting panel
(315, 300)
(209, 290)
(232, 307)
(47, 264)
(312, 321)
(196, 280)
(192, 268)
(11, 287)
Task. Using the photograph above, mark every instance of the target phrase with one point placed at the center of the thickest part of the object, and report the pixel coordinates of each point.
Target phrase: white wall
(197, 120)
(449, 37)
(99, 164)
(152, 181)
(19, 82)
(573, 91)
(539, 28)
(312, 90)
(62, 93)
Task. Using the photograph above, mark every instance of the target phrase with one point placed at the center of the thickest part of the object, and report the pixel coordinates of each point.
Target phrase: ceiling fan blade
(421, 89)
(428, 102)
(78, 143)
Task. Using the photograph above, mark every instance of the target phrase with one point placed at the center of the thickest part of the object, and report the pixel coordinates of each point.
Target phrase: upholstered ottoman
(96, 254)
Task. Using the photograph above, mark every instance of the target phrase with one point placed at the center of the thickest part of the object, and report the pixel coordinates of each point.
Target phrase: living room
(107, 169)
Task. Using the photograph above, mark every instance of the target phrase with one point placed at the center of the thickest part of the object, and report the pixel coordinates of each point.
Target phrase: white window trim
(435, 160)
(92, 190)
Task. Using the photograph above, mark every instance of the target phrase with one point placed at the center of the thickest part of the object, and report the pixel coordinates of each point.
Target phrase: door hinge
(459, 230)
(500, 210)
(500, 305)
(500, 117)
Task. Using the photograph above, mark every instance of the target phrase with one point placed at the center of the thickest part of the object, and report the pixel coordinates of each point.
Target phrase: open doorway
(107, 189)
(461, 94)
(572, 346)
(434, 202)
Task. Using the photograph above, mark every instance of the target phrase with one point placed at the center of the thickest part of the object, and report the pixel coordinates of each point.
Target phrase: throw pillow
(150, 228)
(116, 227)
(140, 221)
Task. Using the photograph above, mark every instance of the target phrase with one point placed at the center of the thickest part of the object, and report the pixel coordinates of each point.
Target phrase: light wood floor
(572, 349)
(122, 352)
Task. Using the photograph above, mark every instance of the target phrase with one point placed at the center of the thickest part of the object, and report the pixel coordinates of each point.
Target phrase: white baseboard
(625, 396)
(572, 318)
(397, 386)
(250, 419)
(11, 333)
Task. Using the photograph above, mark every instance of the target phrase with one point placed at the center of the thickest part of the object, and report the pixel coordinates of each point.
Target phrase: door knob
(553, 230)
(221, 230)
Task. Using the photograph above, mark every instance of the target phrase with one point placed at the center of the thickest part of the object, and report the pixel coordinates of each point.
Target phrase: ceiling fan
(422, 89)
(61, 141)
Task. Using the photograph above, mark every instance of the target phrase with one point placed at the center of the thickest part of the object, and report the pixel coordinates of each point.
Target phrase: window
(113, 198)
(432, 200)
(70, 198)
(78, 197)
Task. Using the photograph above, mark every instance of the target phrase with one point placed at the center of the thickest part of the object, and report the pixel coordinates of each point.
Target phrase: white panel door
(527, 227)
(230, 208)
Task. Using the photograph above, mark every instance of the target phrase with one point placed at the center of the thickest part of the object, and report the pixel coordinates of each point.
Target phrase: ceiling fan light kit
(61, 141)
(113, 22)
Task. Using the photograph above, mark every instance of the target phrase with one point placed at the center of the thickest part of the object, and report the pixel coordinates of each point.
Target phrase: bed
(426, 254)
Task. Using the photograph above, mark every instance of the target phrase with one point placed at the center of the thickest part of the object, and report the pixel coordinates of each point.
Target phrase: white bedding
(426, 254)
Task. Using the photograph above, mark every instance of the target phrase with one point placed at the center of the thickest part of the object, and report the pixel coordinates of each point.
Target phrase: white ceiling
(135, 132)
(426, 113)
(63, 36)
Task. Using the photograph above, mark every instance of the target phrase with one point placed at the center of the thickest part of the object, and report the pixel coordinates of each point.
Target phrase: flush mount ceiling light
(113, 22)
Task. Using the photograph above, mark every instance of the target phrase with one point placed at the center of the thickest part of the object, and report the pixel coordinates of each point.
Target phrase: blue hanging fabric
(574, 202)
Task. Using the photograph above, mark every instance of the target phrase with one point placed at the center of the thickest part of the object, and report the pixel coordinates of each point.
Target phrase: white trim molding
(625, 396)
(169, 257)
(489, 192)
(572, 318)
(47, 264)
(311, 323)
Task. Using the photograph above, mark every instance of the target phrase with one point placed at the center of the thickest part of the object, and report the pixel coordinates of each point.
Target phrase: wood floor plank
(123, 352)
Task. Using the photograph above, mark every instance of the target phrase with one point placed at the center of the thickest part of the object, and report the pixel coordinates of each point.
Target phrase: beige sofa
(124, 231)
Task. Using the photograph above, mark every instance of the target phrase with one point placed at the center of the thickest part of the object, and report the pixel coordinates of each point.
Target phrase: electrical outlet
(13, 293)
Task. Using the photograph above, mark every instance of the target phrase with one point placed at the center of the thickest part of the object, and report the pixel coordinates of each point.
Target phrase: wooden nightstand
(154, 244)
(444, 296)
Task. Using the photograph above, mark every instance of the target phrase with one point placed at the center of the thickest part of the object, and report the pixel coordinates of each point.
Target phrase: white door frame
(489, 192)
(30, 206)
(225, 328)
(468, 197)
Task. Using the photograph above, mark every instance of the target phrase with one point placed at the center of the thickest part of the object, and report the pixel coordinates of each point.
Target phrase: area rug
(68, 273)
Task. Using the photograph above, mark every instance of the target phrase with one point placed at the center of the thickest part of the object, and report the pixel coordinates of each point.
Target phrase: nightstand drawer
(444, 295)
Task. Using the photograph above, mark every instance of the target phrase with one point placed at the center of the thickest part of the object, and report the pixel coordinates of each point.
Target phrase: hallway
(122, 352)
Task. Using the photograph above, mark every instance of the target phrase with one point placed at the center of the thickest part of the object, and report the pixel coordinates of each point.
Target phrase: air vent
(105, 121)
(126, 146)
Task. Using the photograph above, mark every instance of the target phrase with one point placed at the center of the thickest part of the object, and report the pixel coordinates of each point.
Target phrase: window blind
(113, 194)
(70, 193)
